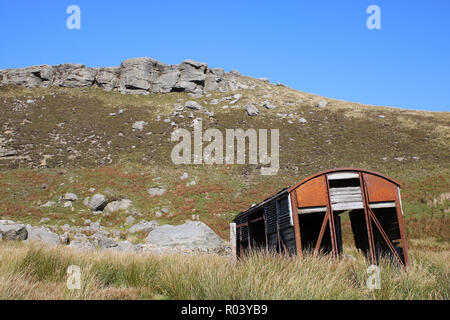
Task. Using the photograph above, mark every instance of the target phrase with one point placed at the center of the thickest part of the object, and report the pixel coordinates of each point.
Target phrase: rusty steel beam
(368, 221)
(401, 226)
(331, 221)
(322, 231)
(386, 238)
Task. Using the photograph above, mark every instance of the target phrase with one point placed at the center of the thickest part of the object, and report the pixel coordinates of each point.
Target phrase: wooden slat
(386, 204)
(312, 210)
(343, 175)
(346, 198)
(348, 206)
(345, 190)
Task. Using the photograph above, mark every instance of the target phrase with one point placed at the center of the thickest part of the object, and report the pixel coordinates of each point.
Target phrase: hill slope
(56, 140)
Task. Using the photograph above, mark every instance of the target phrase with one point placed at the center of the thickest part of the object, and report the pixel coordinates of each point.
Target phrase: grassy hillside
(72, 140)
(82, 141)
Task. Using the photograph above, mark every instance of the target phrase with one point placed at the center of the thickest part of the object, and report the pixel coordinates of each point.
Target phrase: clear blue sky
(322, 47)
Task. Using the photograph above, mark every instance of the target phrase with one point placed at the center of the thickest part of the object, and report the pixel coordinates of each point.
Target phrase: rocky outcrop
(134, 76)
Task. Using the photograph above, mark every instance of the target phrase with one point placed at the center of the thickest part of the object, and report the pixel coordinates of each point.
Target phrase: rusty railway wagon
(307, 216)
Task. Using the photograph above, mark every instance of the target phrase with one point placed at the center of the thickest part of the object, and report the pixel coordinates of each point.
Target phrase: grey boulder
(251, 110)
(98, 202)
(143, 226)
(190, 236)
(42, 234)
(118, 205)
(322, 104)
(12, 231)
(193, 105)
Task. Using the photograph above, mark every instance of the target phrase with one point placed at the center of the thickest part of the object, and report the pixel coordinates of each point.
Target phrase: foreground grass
(32, 271)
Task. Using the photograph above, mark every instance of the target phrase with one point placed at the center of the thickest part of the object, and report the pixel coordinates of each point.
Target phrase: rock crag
(134, 76)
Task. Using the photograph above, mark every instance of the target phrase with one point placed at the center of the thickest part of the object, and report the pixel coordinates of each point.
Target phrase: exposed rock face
(192, 235)
(134, 76)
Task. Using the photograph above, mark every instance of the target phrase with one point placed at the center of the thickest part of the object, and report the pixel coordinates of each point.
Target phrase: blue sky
(321, 47)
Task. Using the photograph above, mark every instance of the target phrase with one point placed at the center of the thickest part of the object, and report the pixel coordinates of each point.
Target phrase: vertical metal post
(332, 225)
(398, 205)
(233, 256)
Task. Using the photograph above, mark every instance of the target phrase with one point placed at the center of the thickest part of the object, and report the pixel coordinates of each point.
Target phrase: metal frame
(371, 221)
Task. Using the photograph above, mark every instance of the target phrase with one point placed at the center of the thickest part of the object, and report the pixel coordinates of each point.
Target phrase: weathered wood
(346, 198)
(386, 204)
(233, 255)
(312, 210)
(345, 190)
(342, 175)
(347, 206)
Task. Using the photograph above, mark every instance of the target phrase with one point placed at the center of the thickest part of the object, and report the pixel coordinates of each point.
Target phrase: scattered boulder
(65, 238)
(156, 191)
(49, 204)
(44, 220)
(12, 231)
(193, 105)
(268, 105)
(322, 104)
(42, 234)
(139, 125)
(192, 183)
(118, 205)
(130, 220)
(70, 197)
(98, 202)
(184, 176)
(191, 236)
(143, 226)
(251, 110)
(125, 246)
(102, 241)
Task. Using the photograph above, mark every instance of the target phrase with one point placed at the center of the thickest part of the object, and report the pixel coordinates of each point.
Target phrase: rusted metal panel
(313, 193)
(379, 189)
